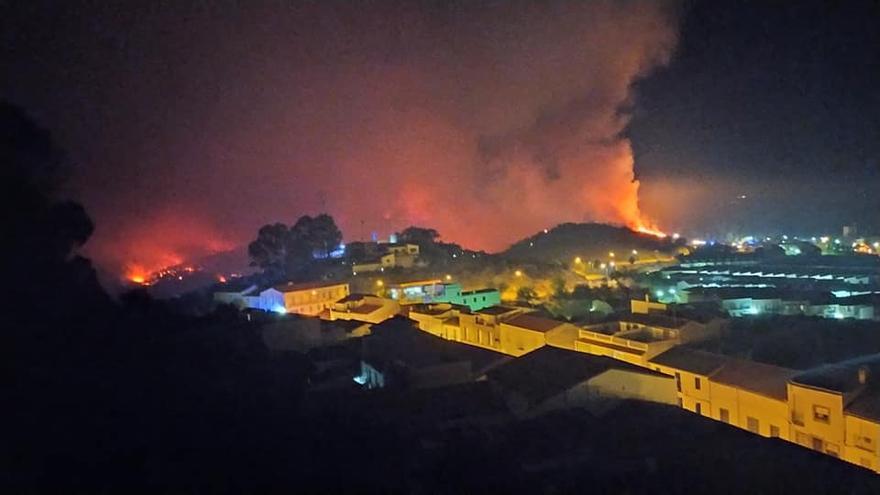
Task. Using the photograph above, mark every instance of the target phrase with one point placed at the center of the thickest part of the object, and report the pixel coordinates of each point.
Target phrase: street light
(379, 283)
(518, 273)
(577, 260)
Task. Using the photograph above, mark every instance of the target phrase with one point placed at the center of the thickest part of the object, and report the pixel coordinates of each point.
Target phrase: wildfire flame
(137, 274)
(644, 229)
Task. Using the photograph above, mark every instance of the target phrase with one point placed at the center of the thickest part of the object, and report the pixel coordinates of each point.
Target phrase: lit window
(821, 414)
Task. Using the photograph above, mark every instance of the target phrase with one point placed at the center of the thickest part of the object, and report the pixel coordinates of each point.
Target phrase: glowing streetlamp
(379, 283)
(518, 273)
(448, 277)
(578, 260)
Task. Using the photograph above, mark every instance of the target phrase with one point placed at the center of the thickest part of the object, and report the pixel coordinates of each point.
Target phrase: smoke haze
(485, 120)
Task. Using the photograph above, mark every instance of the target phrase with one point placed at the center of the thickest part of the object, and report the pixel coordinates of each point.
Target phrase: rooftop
(417, 283)
(691, 360)
(842, 377)
(293, 287)
(497, 310)
(352, 298)
(549, 371)
(866, 405)
(365, 309)
(763, 379)
(479, 291)
(653, 319)
(398, 341)
(435, 309)
(534, 323)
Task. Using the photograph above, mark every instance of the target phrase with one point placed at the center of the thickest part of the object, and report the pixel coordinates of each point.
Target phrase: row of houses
(317, 298)
(750, 301)
(834, 409)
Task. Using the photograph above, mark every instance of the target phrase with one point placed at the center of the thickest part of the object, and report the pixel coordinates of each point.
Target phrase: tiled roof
(691, 360)
(534, 323)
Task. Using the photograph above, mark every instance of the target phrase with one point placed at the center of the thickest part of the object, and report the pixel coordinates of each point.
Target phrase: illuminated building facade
(392, 255)
(310, 298)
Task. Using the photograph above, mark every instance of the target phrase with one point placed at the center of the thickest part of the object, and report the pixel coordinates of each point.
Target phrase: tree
(526, 294)
(320, 233)
(418, 235)
(269, 250)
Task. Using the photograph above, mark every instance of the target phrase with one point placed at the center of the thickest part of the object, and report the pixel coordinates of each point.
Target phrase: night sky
(192, 124)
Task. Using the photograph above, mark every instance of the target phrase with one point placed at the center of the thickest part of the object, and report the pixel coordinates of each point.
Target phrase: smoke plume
(485, 120)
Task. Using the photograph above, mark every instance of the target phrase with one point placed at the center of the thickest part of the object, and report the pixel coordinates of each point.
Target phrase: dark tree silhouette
(418, 235)
(320, 233)
(269, 250)
(287, 252)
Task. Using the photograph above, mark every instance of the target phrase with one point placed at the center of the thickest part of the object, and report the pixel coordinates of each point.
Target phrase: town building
(835, 409)
(752, 396)
(507, 329)
(638, 337)
(390, 255)
(550, 378)
(311, 298)
(473, 299)
(691, 369)
(364, 307)
(752, 301)
(240, 295)
(304, 333)
(396, 354)
(416, 292)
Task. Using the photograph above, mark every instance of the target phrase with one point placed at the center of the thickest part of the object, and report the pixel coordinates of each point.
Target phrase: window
(821, 414)
(678, 381)
(752, 424)
(724, 415)
(864, 442)
(817, 444)
(698, 408)
(774, 431)
(697, 383)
